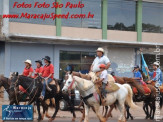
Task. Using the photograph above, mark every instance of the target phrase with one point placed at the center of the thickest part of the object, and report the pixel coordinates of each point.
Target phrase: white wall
(122, 60)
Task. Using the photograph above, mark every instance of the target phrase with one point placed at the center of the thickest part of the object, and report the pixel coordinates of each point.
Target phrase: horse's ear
(16, 73)
(71, 72)
(113, 73)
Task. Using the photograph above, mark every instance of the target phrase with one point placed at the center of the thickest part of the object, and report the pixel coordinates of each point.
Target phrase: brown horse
(148, 100)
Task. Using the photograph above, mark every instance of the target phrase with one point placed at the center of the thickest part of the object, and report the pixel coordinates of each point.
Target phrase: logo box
(17, 112)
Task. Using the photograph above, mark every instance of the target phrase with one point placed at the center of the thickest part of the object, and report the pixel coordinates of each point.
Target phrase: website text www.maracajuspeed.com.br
(48, 16)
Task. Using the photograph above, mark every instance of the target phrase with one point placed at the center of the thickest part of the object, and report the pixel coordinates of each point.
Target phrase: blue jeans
(44, 86)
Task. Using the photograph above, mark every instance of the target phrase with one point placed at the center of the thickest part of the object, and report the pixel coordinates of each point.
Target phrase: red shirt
(38, 70)
(27, 71)
(47, 70)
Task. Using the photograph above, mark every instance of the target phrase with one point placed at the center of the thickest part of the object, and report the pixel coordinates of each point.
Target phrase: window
(121, 15)
(92, 6)
(152, 17)
(77, 61)
(32, 10)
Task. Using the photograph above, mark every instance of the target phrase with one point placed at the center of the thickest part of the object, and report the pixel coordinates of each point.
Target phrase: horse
(34, 89)
(87, 77)
(87, 89)
(148, 100)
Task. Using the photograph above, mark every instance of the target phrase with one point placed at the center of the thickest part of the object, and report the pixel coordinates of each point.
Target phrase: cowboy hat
(100, 50)
(28, 61)
(39, 61)
(136, 66)
(47, 58)
(156, 64)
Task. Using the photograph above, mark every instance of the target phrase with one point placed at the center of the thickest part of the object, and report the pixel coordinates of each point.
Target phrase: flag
(144, 64)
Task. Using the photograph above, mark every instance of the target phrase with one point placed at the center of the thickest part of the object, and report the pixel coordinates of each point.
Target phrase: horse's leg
(38, 109)
(46, 114)
(56, 109)
(83, 113)
(86, 108)
(128, 113)
(121, 108)
(110, 110)
(101, 118)
(45, 107)
(152, 113)
(145, 108)
(71, 103)
(106, 111)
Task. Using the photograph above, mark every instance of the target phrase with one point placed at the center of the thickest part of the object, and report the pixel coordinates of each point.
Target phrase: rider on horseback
(48, 72)
(156, 75)
(143, 89)
(103, 79)
(28, 70)
(100, 59)
(39, 69)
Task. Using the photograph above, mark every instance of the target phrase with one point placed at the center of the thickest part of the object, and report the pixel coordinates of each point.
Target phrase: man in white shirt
(103, 78)
(100, 59)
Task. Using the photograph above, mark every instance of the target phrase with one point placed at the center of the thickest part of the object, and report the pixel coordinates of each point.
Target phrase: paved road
(91, 120)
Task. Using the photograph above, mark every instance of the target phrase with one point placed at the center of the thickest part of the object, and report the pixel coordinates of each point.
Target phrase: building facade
(121, 27)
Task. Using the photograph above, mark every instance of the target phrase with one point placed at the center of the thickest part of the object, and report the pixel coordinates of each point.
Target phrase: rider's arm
(150, 73)
(108, 65)
(30, 74)
(107, 62)
(91, 68)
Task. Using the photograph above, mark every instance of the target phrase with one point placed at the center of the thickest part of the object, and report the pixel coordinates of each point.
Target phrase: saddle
(154, 84)
(143, 88)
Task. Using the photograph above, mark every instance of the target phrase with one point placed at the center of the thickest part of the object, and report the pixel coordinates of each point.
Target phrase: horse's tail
(129, 99)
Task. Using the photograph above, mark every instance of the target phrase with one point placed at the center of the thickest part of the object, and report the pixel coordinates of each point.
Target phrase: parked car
(64, 105)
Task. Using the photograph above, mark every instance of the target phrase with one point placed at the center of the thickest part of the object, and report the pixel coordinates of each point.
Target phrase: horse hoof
(39, 118)
(151, 118)
(51, 119)
(73, 119)
(48, 116)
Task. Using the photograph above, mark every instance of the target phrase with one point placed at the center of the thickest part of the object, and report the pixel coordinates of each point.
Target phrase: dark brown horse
(14, 98)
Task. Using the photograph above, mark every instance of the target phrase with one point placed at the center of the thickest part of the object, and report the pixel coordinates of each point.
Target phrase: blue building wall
(17, 53)
(2, 56)
(1, 7)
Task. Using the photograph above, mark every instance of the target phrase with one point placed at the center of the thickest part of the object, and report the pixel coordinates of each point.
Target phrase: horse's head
(13, 75)
(69, 83)
(5, 82)
(1, 83)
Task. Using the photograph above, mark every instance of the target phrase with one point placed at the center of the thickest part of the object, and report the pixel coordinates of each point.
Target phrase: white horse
(87, 89)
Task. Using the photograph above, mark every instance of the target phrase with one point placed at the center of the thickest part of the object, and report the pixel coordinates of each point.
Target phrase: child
(103, 79)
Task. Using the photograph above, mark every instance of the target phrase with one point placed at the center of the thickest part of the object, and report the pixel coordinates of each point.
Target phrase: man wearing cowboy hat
(100, 59)
(39, 69)
(47, 73)
(156, 75)
(28, 70)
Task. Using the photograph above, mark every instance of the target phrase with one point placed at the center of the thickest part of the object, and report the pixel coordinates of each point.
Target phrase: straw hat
(156, 64)
(100, 50)
(28, 61)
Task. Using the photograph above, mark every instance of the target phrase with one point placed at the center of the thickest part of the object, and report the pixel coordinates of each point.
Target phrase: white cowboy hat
(156, 63)
(28, 61)
(100, 49)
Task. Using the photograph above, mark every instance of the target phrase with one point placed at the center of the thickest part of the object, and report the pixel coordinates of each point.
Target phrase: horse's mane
(25, 79)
